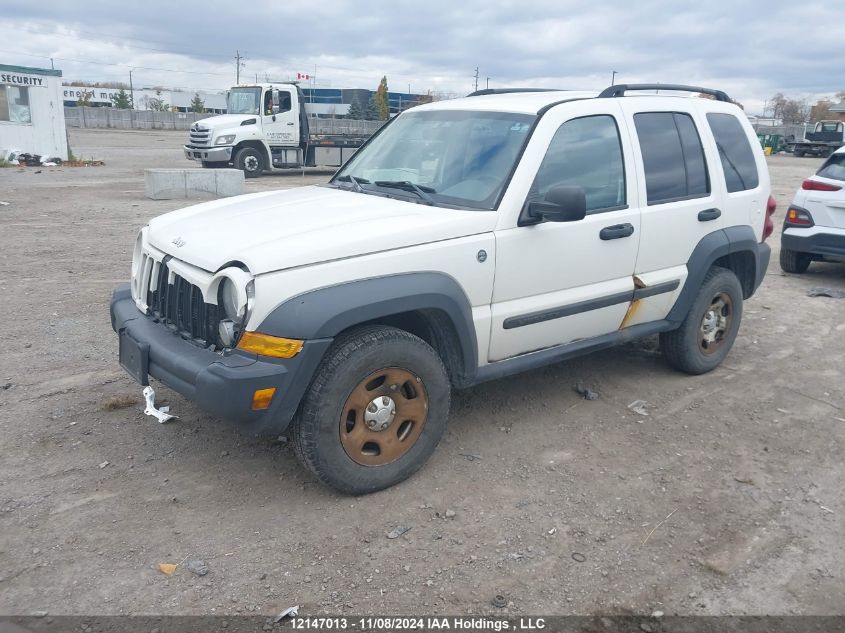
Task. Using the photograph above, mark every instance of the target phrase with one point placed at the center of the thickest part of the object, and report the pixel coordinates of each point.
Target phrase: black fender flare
(733, 239)
(326, 312)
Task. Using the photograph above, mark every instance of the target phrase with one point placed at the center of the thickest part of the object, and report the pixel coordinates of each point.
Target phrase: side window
(673, 158)
(587, 153)
(284, 101)
(14, 104)
(734, 151)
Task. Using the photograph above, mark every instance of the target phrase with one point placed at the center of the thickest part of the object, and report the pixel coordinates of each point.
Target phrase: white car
(468, 240)
(814, 227)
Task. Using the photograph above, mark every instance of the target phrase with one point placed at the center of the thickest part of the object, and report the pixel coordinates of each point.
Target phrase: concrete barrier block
(172, 184)
(200, 183)
(229, 182)
(164, 184)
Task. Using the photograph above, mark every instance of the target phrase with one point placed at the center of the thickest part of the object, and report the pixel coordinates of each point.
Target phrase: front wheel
(375, 411)
(250, 161)
(710, 327)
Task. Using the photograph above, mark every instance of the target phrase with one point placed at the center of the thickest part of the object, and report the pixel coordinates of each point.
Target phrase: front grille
(200, 137)
(179, 305)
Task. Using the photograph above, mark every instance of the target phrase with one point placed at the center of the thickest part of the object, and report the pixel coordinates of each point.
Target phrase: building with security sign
(32, 116)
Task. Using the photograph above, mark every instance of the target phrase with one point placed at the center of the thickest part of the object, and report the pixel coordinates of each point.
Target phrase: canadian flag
(303, 76)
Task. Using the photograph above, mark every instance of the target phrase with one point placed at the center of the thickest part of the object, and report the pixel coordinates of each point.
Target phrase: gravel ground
(727, 498)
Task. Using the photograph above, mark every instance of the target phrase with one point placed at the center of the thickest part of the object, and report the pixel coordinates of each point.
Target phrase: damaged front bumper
(221, 383)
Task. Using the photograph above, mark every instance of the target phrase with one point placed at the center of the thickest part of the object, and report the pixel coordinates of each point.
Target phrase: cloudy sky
(749, 49)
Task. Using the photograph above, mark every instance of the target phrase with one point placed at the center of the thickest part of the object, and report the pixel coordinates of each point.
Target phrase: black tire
(794, 261)
(250, 161)
(686, 348)
(798, 153)
(317, 432)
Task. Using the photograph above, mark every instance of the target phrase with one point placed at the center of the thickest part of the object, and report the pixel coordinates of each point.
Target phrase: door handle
(290, 123)
(708, 214)
(616, 231)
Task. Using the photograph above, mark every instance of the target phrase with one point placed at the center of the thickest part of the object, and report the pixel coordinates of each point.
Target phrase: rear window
(734, 151)
(672, 157)
(833, 168)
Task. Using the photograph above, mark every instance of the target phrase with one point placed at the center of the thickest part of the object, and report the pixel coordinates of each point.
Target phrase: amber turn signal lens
(267, 345)
(262, 398)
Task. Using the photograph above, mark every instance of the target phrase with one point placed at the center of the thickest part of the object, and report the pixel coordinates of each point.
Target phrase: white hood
(275, 230)
(225, 121)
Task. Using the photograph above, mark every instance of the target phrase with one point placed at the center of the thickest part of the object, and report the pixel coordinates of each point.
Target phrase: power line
(121, 43)
(88, 61)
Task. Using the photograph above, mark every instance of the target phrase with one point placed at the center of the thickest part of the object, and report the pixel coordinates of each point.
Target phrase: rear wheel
(375, 411)
(798, 153)
(710, 327)
(794, 262)
(250, 161)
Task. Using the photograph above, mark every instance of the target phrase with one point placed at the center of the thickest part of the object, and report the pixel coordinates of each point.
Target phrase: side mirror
(275, 109)
(563, 203)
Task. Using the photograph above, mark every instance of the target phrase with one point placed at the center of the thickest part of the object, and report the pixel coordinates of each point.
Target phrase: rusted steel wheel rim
(384, 416)
(716, 323)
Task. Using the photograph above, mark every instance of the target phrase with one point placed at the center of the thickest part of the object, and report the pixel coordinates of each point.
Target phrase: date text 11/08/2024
(386, 623)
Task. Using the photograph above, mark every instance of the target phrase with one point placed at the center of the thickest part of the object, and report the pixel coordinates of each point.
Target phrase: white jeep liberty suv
(466, 241)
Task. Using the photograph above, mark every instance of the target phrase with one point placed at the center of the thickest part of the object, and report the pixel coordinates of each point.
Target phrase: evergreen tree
(355, 110)
(372, 113)
(382, 100)
(197, 104)
(121, 100)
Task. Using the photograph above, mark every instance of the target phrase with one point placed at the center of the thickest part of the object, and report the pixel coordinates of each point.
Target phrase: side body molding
(326, 312)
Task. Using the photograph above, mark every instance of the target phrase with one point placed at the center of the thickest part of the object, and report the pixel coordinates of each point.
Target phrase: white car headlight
(224, 140)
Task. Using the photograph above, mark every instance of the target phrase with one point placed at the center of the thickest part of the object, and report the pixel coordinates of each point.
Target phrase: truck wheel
(794, 262)
(710, 327)
(375, 411)
(798, 153)
(250, 161)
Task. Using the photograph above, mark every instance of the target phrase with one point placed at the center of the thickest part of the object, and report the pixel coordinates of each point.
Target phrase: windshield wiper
(356, 182)
(407, 185)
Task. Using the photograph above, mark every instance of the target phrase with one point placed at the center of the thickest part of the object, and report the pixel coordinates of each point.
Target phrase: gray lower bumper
(222, 384)
(824, 244)
(208, 154)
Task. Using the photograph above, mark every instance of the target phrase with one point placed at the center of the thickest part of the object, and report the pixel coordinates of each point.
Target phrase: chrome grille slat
(175, 302)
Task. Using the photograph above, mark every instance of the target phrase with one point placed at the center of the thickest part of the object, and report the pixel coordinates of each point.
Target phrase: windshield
(446, 157)
(244, 101)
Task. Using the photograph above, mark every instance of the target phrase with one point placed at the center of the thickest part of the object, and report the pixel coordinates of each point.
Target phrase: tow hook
(162, 415)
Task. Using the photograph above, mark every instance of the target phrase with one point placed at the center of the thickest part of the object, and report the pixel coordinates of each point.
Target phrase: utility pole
(238, 65)
(613, 78)
(488, 82)
(131, 91)
(476, 78)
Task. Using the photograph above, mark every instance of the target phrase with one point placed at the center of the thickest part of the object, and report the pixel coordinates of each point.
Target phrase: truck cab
(266, 128)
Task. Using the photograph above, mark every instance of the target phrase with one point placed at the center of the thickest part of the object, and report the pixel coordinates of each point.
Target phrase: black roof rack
(504, 91)
(620, 89)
